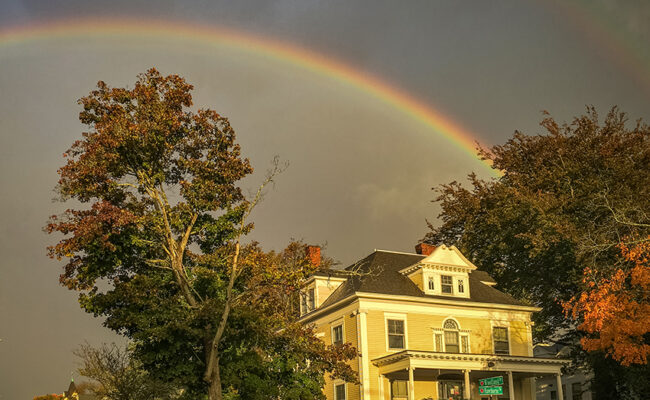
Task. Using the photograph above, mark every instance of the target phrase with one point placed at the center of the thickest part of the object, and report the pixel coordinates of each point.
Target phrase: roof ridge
(398, 252)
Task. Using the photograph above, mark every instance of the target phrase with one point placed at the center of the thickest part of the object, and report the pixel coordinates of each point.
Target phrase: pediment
(447, 257)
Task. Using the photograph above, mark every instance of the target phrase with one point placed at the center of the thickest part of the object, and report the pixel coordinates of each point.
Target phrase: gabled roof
(450, 256)
(379, 273)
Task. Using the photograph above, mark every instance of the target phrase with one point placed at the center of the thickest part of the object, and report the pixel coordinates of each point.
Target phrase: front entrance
(450, 390)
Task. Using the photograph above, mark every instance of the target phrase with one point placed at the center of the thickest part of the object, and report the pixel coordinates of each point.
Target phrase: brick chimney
(424, 248)
(313, 254)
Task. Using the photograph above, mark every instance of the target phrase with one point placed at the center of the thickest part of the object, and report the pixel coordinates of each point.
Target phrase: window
(395, 334)
(438, 342)
(337, 334)
(447, 284)
(399, 390)
(576, 391)
(303, 303)
(500, 337)
(553, 395)
(464, 341)
(451, 342)
(432, 284)
(339, 392)
(564, 393)
(461, 286)
(311, 299)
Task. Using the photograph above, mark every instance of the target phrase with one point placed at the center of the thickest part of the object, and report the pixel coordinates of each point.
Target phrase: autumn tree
(52, 396)
(118, 376)
(556, 225)
(615, 309)
(156, 245)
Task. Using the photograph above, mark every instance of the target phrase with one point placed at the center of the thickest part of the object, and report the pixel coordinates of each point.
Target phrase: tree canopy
(566, 217)
(156, 247)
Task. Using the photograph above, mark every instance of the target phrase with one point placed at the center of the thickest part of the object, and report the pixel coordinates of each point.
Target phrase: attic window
(311, 300)
(432, 284)
(447, 284)
(461, 286)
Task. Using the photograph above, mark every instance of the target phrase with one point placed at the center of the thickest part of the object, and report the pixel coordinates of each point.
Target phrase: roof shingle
(379, 273)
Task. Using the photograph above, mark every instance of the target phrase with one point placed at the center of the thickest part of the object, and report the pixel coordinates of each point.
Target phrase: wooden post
(466, 392)
(560, 391)
(511, 386)
(411, 384)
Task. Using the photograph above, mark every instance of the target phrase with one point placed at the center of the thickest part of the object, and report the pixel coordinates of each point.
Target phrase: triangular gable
(448, 256)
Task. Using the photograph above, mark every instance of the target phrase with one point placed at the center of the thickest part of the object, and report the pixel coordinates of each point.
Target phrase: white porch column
(533, 388)
(411, 384)
(467, 391)
(511, 386)
(381, 387)
(560, 392)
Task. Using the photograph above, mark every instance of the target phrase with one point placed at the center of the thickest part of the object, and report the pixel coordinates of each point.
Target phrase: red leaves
(615, 310)
(87, 228)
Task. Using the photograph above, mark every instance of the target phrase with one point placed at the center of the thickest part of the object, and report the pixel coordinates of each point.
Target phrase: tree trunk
(214, 390)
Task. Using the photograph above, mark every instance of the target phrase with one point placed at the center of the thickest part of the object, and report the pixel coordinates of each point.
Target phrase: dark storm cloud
(361, 170)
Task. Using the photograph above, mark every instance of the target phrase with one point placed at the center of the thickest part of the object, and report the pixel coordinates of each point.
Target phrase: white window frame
(340, 322)
(339, 383)
(396, 316)
(390, 388)
(442, 292)
(430, 279)
(507, 328)
(304, 299)
(461, 333)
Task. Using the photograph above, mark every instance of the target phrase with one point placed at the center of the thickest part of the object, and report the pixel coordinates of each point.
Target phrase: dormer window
(308, 300)
(432, 284)
(461, 286)
(447, 284)
(311, 299)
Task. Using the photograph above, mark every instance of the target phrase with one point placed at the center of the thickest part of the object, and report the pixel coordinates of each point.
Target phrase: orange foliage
(615, 311)
(52, 396)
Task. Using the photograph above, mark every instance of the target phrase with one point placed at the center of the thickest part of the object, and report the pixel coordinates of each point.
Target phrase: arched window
(432, 284)
(450, 324)
(450, 338)
(452, 343)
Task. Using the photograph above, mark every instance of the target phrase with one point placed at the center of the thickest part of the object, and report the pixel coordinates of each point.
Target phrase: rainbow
(281, 51)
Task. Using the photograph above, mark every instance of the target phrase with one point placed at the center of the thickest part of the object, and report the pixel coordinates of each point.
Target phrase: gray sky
(360, 170)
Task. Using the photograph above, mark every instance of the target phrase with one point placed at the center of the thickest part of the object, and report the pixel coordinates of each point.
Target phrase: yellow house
(427, 326)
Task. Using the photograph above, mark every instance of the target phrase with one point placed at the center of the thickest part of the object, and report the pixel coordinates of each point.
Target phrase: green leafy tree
(156, 246)
(566, 202)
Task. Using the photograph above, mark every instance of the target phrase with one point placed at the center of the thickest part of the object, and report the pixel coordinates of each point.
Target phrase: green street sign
(495, 380)
(490, 390)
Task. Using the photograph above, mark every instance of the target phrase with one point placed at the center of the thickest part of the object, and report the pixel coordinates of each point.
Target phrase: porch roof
(484, 362)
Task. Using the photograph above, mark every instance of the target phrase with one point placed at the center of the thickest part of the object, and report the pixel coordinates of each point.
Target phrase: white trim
(400, 252)
(336, 323)
(365, 358)
(529, 337)
(395, 316)
(444, 339)
(501, 324)
(312, 278)
(336, 383)
(461, 304)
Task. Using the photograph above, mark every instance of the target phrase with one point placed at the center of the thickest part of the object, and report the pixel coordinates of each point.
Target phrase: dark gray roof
(379, 273)
(483, 276)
